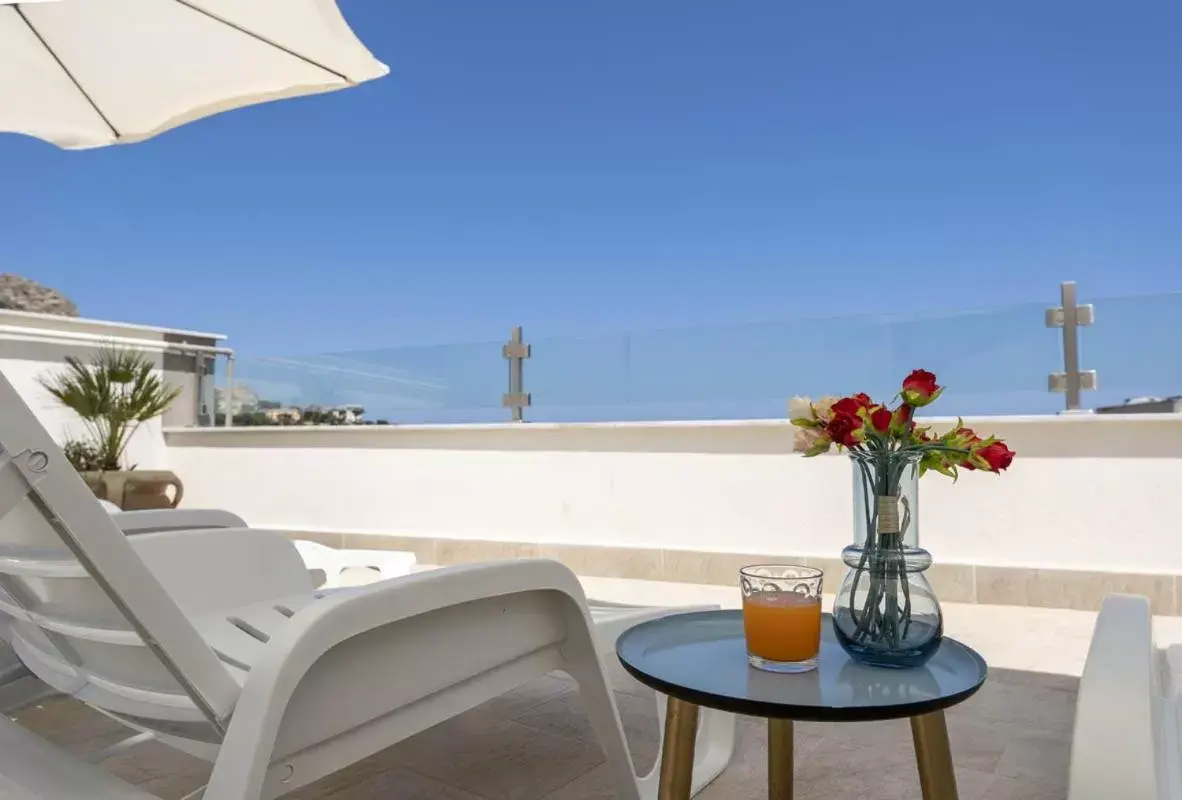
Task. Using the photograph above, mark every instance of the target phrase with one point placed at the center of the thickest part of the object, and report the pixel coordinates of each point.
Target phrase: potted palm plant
(113, 393)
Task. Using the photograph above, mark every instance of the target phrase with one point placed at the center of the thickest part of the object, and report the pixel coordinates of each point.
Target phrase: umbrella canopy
(87, 73)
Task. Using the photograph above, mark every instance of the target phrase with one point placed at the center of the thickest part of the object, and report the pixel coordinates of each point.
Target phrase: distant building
(347, 415)
(284, 416)
(1145, 405)
(333, 415)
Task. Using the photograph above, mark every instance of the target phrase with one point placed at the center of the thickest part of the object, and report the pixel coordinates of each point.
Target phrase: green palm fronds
(113, 393)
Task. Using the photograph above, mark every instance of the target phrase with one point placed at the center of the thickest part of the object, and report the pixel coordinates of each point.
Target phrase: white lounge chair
(331, 567)
(1126, 738)
(215, 641)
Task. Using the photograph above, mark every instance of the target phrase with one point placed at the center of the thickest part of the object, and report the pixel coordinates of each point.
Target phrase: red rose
(880, 419)
(920, 388)
(845, 430)
(996, 455)
(845, 407)
(850, 406)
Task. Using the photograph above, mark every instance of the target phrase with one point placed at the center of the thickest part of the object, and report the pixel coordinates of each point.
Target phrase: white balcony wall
(1094, 493)
(33, 346)
(146, 448)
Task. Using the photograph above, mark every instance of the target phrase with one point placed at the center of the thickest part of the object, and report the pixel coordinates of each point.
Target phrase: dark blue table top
(702, 658)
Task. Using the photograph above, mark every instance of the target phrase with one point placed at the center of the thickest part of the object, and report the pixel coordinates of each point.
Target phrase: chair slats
(82, 609)
(26, 561)
(121, 636)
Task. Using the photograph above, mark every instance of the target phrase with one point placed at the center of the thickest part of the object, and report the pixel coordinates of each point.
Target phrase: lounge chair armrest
(1117, 719)
(331, 644)
(135, 522)
(219, 568)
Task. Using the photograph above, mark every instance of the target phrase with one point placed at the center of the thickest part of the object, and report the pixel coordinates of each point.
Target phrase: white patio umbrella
(87, 73)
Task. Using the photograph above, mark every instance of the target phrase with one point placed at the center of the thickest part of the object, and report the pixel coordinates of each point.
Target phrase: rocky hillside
(22, 294)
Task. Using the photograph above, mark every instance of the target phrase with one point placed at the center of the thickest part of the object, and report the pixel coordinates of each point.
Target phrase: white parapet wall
(1095, 494)
(34, 346)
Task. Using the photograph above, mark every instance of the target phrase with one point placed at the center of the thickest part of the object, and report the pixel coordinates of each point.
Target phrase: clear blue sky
(587, 167)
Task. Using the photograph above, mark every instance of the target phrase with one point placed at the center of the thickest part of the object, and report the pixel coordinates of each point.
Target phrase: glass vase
(886, 613)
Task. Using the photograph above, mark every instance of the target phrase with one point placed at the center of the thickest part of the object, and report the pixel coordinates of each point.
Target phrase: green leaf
(112, 393)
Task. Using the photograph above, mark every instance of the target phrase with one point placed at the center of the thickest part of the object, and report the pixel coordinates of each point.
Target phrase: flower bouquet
(886, 613)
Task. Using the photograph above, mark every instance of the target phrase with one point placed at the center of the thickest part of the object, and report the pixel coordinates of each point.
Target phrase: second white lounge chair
(1126, 742)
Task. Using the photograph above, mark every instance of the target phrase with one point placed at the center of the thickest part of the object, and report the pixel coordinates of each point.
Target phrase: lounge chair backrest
(81, 608)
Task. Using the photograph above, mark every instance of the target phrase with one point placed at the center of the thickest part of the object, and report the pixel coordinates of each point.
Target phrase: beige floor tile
(1052, 588)
(1045, 680)
(1010, 789)
(423, 548)
(1035, 758)
(462, 551)
(527, 696)
(342, 779)
(497, 761)
(953, 583)
(153, 761)
(722, 569)
(746, 775)
(977, 744)
(857, 777)
(887, 743)
(872, 774)
(567, 716)
(175, 787)
(971, 784)
(611, 562)
(65, 722)
(1034, 709)
(597, 785)
(319, 537)
(400, 784)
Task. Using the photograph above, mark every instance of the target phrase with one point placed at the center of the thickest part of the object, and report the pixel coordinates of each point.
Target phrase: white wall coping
(194, 436)
(55, 322)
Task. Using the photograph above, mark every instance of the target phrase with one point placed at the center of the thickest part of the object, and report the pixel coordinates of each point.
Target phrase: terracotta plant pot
(136, 490)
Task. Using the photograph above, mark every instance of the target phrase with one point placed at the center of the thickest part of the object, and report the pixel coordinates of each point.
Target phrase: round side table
(700, 659)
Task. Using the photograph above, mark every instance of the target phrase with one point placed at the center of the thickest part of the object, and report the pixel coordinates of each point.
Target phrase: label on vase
(888, 514)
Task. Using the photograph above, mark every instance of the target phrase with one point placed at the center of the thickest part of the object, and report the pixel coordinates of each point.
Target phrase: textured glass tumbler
(782, 616)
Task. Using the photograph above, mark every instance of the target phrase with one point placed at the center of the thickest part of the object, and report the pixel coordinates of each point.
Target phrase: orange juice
(782, 626)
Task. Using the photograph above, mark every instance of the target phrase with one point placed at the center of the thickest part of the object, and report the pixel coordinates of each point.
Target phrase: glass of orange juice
(782, 616)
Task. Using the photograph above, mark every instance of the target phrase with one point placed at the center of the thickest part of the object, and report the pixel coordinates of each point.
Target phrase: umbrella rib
(189, 5)
(20, 13)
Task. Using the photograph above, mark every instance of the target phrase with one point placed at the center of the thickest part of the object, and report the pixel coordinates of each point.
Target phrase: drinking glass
(782, 616)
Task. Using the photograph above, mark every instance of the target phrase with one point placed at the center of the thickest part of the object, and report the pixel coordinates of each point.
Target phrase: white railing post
(1070, 316)
(515, 352)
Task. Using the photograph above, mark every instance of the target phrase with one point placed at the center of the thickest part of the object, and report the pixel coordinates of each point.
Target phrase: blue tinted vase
(886, 613)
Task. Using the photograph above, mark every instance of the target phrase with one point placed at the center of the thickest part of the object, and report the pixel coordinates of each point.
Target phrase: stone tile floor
(1010, 742)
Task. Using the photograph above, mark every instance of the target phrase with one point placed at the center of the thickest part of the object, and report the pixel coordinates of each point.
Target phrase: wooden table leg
(933, 756)
(677, 753)
(780, 766)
